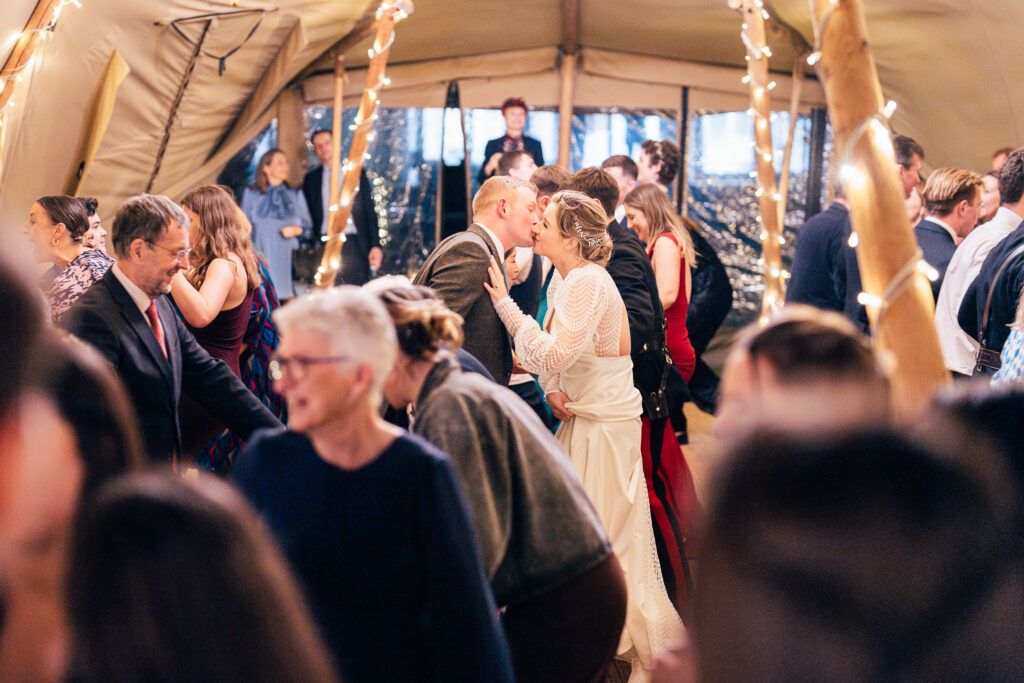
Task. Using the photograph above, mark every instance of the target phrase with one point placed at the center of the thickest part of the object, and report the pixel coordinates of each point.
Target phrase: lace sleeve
(579, 304)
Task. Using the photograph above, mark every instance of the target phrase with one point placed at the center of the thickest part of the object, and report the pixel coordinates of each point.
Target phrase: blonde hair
(494, 188)
(423, 323)
(653, 203)
(947, 187)
(582, 218)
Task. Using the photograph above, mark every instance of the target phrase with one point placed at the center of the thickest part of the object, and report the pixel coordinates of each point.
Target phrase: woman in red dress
(670, 487)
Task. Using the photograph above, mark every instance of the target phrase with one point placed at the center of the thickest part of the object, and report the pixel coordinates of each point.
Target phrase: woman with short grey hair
(370, 516)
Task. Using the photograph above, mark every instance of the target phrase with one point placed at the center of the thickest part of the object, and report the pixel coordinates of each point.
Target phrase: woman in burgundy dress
(673, 497)
(215, 297)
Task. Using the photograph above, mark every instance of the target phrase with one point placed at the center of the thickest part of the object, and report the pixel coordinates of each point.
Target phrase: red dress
(670, 487)
(675, 318)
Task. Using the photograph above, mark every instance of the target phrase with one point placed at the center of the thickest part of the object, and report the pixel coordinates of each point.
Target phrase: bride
(582, 358)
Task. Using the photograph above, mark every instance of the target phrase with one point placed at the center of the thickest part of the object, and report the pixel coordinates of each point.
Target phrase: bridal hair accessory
(571, 200)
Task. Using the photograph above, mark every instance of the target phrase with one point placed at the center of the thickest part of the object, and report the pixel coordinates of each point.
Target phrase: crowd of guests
(479, 475)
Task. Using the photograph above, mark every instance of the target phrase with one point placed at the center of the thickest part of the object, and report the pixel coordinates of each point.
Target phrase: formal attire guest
(258, 343)
(710, 304)
(585, 369)
(543, 547)
(818, 275)
(514, 111)
(215, 297)
(279, 216)
(126, 317)
(372, 518)
(57, 227)
(361, 253)
(935, 237)
(1003, 267)
(958, 349)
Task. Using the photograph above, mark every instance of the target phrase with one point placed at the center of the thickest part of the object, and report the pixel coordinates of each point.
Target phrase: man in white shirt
(958, 348)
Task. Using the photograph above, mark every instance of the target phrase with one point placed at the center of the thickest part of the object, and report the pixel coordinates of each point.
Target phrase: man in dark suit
(819, 266)
(361, 254)
(952, 199)
(623, 171)
(127, 317)
(504, 213)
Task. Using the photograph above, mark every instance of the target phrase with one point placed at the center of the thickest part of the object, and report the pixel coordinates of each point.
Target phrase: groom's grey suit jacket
(457, 270)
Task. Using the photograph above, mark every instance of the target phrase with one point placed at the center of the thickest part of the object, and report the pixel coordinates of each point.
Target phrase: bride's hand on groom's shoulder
(496, 288)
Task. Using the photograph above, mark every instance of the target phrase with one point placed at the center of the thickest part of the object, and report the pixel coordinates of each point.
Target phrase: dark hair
(312, 136)
(22, 316)
(1011, 177)
(597, 184)
(905, 148)
(90, 204)
(886, 549)
(668, 154)
(1002, 150)
(66, 210)
(622, 161)
(144, 217)
(548, 179)
(260, 184)
(423, 323)
(510, 159)
(514, 102)
(803, 343)
(90, 397)
(173, 580)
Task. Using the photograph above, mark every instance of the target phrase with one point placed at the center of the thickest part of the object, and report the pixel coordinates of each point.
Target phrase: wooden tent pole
(794, 111)
(897, 295)
(389, 12)
(339, 92)
(565, 109)
(753, 34)
(439, 213)
(25, 46)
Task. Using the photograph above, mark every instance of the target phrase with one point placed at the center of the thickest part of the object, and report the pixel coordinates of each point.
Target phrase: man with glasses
(127, 317)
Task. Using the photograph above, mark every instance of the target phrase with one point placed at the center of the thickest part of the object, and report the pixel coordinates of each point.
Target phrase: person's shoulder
(270, 445)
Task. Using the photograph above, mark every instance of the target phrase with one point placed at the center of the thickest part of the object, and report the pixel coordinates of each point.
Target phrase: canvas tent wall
(95, 106)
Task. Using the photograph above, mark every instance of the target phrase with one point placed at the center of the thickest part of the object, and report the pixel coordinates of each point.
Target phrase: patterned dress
(73, 281)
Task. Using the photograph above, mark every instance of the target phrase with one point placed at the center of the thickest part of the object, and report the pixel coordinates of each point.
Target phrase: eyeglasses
(297, 367)
(181, 255)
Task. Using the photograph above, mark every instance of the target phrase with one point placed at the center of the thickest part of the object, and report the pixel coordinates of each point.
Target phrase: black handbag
(988, 360)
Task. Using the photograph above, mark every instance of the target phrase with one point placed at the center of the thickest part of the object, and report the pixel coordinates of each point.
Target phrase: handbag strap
(983, 333)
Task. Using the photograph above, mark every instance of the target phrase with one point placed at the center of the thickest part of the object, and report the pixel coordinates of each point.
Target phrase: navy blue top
(937, 246)
(1005, 296)
(386, 556)
(819, 268)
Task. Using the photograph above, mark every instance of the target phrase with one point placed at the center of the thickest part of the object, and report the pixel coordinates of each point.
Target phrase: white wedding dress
(580, 358)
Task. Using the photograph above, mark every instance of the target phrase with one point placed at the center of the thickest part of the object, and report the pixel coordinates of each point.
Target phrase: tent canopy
(106, 107)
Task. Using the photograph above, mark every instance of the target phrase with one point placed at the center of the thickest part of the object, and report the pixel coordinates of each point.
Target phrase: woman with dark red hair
(514, 110)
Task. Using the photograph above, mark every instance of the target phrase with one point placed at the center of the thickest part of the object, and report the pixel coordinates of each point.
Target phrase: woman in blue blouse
(279, 215)
(371, 517)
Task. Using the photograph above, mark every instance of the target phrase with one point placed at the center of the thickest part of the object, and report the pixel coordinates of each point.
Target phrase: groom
(504, 213)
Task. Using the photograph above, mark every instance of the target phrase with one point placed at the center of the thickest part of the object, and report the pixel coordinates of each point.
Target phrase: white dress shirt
(958, 348)
(140, 298)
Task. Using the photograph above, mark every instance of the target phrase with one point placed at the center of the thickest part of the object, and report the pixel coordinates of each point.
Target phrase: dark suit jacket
(1005, 296)
(457, 270)
(710, 296)
(531, 145)
(633, 275)
(356, 267)
(106, 317)
(819, 267)
(938, 246)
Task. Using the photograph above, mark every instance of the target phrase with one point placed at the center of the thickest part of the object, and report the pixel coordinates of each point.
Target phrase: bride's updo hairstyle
(423, 323)
(583, 219)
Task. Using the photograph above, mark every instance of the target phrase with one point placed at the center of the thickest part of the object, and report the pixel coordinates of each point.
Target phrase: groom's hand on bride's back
(556, 401)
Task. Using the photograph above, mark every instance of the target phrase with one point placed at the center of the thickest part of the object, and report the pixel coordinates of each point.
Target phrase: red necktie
(154, 322)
